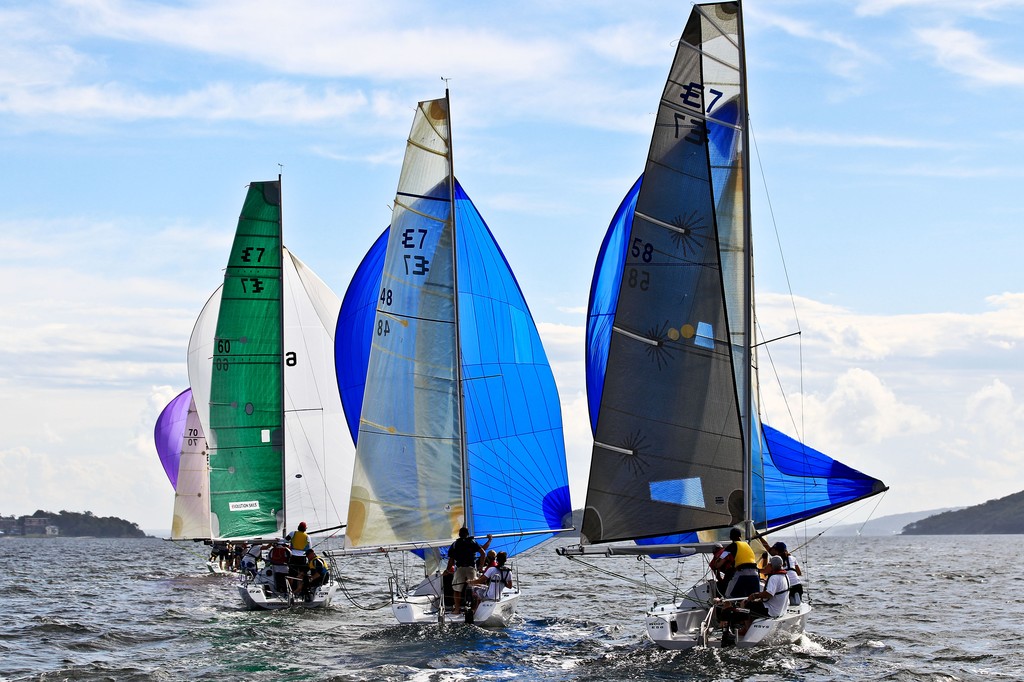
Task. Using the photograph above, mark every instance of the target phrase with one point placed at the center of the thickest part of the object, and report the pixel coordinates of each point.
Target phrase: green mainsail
(246, 392)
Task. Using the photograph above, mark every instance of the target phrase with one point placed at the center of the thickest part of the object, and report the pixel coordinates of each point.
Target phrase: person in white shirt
(494, 579)
(793, 571)
(770, 602)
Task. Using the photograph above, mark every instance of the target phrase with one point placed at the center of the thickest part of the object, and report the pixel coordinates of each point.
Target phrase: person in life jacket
(252, 555)
(298, 545)
(278, 560)
(771, 601)
(739, 570)
(717, 570)
(739, 567)
(316, 573)
(494, 579)
(793, 572)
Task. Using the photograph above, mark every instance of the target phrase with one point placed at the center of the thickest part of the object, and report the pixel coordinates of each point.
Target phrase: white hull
(258, 594)
(214, 567)
(424, 605)
(686, 624)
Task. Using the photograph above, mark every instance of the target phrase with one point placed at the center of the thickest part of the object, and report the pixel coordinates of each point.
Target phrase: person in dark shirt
(462, 560)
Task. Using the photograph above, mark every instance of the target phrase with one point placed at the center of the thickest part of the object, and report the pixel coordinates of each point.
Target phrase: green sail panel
(246, 388)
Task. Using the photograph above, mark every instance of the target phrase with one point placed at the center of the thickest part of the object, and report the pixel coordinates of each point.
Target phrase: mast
(463, 455)
(281, 360)
(748, 286)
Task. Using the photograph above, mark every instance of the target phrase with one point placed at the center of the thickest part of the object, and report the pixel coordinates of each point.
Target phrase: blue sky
(888, 167)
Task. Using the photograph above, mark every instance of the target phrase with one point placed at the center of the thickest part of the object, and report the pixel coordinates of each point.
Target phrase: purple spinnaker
(169, 432)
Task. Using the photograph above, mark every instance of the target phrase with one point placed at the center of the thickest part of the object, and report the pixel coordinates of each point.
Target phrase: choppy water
(898, 608)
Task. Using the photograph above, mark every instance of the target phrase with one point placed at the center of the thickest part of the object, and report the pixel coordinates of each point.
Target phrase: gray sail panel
(668, 452)
(407, 483)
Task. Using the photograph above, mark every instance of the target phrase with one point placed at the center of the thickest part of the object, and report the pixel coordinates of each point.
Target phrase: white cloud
(841, 333)
(945, 7)
(328, 39)
(262, 102)
(821, 138)
(966, 54)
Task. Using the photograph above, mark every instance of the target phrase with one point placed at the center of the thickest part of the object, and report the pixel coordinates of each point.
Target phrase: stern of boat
(423, 605)
(686, 623)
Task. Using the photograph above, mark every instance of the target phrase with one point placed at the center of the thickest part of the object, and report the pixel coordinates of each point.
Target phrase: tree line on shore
(73, 524)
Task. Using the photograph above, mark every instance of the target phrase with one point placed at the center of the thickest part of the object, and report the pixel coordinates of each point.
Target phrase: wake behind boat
(680, 452)
(448, 392)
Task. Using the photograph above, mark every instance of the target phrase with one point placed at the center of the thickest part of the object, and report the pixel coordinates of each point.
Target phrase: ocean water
(892, 608)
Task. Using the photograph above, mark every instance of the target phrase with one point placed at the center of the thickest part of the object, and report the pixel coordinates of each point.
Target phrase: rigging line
(348, 595)
(839, 519)
(873, 510)
(785, 268)
(648, 565)
(624, 578)
(782, 389)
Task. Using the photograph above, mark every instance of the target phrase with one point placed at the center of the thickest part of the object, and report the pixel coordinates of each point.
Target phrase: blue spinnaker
(514, 441)
(518, 480)
(354, 332)
(801, 482)
(604, 294)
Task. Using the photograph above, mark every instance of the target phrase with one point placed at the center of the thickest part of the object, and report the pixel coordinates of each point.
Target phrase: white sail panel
(191, 518)
(318, 456)
(200, 360)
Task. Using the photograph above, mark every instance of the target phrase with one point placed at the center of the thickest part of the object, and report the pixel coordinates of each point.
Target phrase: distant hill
(995, 517)
(71, 524)
(892, 524)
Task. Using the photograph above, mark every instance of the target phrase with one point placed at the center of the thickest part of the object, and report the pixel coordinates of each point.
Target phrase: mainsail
(182, 448)
(318, 461)
(458, 415)
(671, 380)
(247, 385)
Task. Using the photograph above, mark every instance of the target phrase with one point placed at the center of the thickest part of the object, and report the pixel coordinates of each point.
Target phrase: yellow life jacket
(744, 555)
(300, 540)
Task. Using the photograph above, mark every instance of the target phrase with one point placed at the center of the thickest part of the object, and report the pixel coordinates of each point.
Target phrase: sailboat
(447, 390)
(261, 369)
(181, 446)
(680, 452)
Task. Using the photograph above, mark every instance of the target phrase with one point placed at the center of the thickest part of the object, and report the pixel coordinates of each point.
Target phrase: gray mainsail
(669, 453)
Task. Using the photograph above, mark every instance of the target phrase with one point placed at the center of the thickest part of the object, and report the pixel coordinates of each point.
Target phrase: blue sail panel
(604, 295)
(514, 442)
(354, 333)
(800, 482)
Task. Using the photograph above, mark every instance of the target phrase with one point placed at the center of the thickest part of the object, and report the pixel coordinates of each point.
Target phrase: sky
(886, 205)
